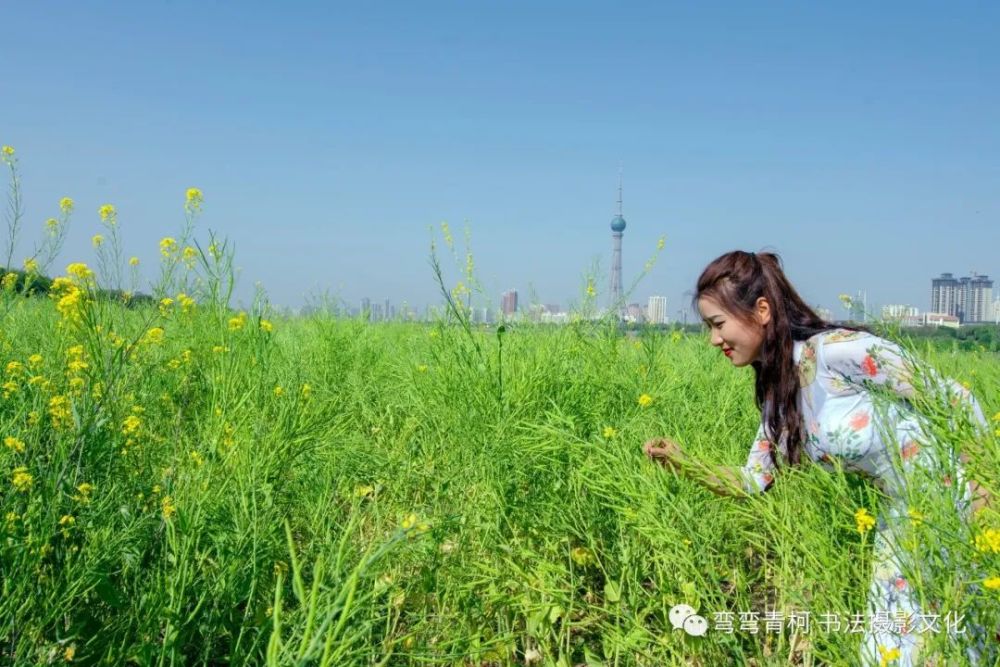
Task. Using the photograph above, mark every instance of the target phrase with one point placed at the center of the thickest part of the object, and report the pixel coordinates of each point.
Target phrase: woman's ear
(763, 311)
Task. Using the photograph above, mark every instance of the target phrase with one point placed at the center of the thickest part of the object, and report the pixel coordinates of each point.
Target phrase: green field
(186, 484)
(321, 491)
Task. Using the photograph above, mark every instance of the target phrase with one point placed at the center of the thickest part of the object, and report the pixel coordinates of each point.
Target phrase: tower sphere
(618, 224)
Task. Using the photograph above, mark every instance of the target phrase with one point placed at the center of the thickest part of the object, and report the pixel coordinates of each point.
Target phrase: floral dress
(841, 374)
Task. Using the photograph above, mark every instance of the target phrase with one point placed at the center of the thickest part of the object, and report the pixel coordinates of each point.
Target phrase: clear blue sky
(859, 140)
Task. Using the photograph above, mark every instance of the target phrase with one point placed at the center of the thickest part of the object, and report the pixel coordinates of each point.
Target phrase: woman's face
(739, 341)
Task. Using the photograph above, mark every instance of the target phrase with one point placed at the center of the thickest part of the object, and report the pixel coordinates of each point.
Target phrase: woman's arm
(720, 480)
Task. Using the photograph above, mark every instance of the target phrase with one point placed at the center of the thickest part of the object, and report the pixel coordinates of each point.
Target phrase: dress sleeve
(758, 473)
(863, 360)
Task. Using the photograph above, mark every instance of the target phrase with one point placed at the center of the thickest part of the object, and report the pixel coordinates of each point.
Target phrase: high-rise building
(967, 298)
(366, 309)
(617, 227)
(508, 303)
(943, 294)
(656, 310)
(977, 298)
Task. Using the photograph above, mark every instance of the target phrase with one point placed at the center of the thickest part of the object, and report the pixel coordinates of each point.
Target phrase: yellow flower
(609, 432)
(7, 151)
(662, 242)
(590, 289)
(169, 509)
(645, 401)
(52, 225)
(187, 303)
(266, 325)
(279, 390)
(69, 653)
(66, 205)
(97, 240)
(67, 520)
(306, 391)
(35, 360)
(409, 522)
(364, 491)
(996, 417)
(189, 255)
(864, 520)
(79, 270)
(237, 323)
(14, 444)
(15, 369)
(581, 556)
(421, 368)
(168, 246)
(219, 349)
(193, 199)
(133, 261)
(85, 489)
(915, 516)
(30, 265)
(22, 479)
(197, 458)
(131, 425)
(154, 336)
(60, 411)
(988, 540)
(107, 212)
(887, 655)
(993, 583)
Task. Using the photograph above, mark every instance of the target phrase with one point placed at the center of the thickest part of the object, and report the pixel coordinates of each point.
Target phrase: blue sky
(859, 141)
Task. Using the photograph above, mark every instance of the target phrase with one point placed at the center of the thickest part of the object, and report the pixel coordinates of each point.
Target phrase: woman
(817, 386)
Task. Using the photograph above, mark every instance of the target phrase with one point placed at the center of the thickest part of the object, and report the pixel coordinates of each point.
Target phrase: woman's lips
(728, 353)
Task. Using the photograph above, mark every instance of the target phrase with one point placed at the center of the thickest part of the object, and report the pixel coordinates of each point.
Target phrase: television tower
(617, 227)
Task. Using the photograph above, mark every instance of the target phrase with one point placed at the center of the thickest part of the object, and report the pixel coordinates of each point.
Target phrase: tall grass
(187, 484)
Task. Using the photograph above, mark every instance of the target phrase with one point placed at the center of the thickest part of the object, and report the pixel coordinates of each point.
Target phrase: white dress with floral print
(840, 373)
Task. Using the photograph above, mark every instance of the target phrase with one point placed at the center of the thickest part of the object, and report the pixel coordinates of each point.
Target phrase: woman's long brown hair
(736, 281)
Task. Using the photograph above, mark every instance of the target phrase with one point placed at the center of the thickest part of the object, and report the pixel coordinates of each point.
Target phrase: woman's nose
(716, 338)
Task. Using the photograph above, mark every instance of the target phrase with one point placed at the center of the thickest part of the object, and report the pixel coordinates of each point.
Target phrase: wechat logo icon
(683, 616)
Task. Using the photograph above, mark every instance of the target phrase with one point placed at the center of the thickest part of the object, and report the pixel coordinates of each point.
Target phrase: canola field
(184, 483)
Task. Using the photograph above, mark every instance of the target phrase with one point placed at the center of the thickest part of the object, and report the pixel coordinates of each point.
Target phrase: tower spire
(619, 190)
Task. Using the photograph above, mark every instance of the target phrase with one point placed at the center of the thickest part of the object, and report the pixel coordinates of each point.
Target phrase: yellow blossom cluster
(189, 255)
(645, 401)
(193, 200)
(66, 205)
(61, 412)
(97, 240)
(30, 265)
(266, 326)
(9, 282)
(238, 322)
(16, 445)
(168, 246)
(22, 479)
(153, 336)
(864, 520)
(108, 214)
(988, 541)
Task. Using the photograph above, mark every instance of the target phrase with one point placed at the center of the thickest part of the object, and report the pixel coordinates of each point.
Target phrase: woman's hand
(665, 452)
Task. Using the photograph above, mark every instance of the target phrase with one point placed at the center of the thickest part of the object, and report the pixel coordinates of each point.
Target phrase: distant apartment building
(906, 315)
(940, 320)
(508, 303)
(634, 313)
(968, 298)
(996, 311)
(656, 310)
